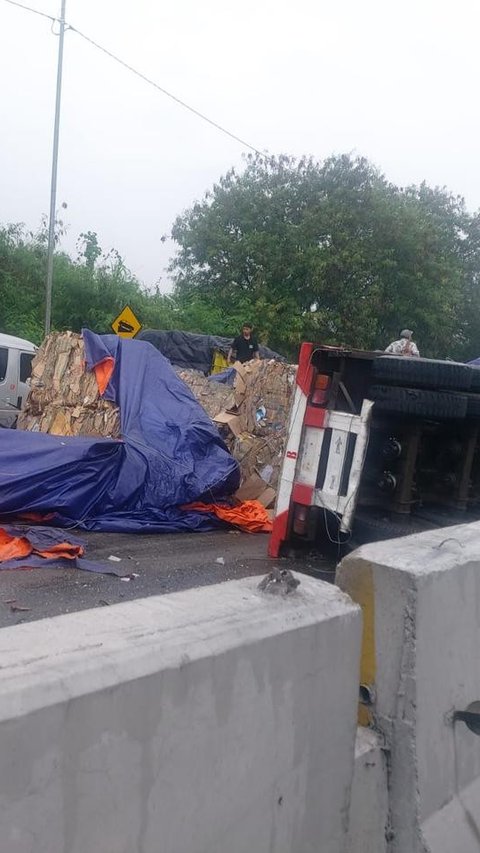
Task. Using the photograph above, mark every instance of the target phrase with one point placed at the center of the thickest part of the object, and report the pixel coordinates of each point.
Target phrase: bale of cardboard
(252, 416)
(64, 397)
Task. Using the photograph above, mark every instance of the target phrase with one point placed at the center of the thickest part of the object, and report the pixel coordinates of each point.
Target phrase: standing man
(404, 346)
(244, 347)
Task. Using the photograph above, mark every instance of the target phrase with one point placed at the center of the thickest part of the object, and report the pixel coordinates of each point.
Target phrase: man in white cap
(405, 346)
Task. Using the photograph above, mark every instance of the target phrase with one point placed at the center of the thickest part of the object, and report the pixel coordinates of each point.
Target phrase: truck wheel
(473, 406)
(419, 402)
(422, 372)
(371, 527)
(475, 386)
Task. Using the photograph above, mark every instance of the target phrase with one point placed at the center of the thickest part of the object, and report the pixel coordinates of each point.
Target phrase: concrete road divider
(420, 675)
(368, 820)
(211, 720)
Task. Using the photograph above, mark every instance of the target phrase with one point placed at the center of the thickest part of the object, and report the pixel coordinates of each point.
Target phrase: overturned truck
(378, 446)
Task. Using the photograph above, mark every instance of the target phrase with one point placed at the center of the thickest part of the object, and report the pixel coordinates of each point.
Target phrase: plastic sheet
(169, 455)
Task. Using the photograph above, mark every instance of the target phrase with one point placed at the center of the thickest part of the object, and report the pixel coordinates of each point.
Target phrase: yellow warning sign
(126, 325)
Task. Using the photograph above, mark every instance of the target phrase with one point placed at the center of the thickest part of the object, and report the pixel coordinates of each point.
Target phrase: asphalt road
(156, 564)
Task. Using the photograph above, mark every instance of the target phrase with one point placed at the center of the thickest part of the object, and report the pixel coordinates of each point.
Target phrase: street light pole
(53, 184)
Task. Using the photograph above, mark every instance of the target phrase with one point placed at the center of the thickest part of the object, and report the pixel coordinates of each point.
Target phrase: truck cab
(378, 446)
(16, 355)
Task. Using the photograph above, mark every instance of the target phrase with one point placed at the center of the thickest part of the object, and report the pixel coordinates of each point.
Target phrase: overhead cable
(163, 91)
(142, 76)
(35, 11)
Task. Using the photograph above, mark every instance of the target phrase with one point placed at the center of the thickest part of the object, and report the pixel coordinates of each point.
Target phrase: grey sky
(396, 82)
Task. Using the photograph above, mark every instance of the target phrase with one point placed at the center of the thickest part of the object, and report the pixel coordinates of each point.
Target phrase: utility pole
(53, 184)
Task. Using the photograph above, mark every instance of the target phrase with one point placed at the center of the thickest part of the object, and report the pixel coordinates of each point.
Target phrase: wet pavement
(156, 564)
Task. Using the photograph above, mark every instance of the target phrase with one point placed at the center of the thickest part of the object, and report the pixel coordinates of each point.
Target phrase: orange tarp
(12, 547)
(250, 516)
(103, 373)
(16, 547)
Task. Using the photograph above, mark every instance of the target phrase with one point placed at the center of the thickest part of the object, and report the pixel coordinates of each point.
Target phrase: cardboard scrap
(267, 498)
(234, 422)
(251, 488)
(256, 489)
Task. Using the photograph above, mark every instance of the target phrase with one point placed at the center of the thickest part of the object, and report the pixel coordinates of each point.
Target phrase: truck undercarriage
(420, 466)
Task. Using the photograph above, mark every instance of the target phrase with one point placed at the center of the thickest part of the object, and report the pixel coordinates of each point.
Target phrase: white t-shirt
(403, 347)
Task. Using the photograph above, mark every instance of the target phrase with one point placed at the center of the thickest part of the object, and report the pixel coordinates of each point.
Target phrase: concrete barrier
(368, 820)
(213, 720)
(421, 664)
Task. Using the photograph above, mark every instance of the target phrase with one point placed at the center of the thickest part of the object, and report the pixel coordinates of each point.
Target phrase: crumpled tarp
(249, 516)
(189, 350)
(45, 547)
(226, 377)
(170, 454)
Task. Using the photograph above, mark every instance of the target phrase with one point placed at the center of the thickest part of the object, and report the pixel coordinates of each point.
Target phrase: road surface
(164, 563)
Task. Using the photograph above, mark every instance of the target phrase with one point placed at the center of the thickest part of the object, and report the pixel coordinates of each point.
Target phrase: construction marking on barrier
(360, 587)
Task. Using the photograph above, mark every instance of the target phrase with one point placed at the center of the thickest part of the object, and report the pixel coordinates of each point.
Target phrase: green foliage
(328, 251)
(89, 291)
(331, 251)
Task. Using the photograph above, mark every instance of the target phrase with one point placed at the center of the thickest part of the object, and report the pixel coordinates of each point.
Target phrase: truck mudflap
(322, 466)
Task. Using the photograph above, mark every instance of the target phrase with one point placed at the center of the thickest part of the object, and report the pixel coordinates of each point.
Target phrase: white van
(16, 357)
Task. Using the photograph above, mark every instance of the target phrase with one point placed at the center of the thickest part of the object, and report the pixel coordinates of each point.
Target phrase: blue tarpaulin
(225, 377)
(169, 454)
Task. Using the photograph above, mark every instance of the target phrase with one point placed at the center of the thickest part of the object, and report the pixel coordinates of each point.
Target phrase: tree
(87, 292)
(327, 250)
(88, 249)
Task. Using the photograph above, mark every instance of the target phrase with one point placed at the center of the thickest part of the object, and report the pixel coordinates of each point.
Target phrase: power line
(164, 91)
(35, 11)
(141, 76)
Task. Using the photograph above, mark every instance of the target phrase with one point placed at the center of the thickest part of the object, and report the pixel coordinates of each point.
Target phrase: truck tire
(374, 527)
(473, 406)
(475, 386)
(422, 372)
(419, 402)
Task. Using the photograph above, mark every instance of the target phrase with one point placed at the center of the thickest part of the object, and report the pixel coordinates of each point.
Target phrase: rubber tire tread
(473, 406)
(422, 373)
(475, 386)
(374, 529)
(419, 402)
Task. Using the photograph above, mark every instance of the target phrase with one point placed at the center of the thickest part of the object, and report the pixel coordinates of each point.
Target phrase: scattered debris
(115, 559)
(256, 489)
(450, 539)
(220, 560)
(17, 608)
(252, 417)
(279, 582)
(266, 473)
(212, 396)
(44, 547)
